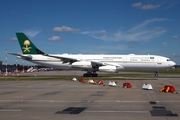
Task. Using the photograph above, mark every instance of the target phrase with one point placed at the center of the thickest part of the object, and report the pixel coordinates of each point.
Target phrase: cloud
(148, 6)
(175, 55)
(66, 29)
(139, 4)
(175, 37)
(140, 32)
(164, 43)
(146, 22)
(101, 33)
(171, 3)
(55, 38)
(13, 39)
(32, 33)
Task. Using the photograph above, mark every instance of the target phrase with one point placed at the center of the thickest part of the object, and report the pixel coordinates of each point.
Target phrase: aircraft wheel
(95, 75)
(90, 75)
(85, 75)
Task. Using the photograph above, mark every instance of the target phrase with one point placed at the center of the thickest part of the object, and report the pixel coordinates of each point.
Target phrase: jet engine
(110, 68)
(82, 64)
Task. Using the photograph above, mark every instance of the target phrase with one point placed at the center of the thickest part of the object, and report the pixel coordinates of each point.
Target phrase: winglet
(26, 45)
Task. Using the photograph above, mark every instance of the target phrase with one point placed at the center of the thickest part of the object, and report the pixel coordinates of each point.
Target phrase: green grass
(170, 71)
(125, 75)
(67, 78)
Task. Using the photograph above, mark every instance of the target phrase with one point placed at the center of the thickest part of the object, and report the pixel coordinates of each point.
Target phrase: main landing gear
(156, 73)
(90, 74)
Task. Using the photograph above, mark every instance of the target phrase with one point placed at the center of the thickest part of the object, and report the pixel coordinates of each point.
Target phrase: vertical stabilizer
(26, 45)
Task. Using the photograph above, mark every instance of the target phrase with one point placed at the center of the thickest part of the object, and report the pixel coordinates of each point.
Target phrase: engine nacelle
(110, 68)
(82, 64)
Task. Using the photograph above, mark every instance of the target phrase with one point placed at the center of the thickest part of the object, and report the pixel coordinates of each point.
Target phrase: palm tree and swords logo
(27, 48)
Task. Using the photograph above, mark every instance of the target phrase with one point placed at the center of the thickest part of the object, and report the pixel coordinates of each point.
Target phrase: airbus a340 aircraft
(90, 63)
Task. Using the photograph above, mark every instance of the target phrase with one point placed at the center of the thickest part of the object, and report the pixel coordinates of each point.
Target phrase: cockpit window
(168, 60)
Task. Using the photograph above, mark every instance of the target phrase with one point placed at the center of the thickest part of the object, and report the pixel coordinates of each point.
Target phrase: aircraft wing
(71, 60)
(21, 56)
(64, 59)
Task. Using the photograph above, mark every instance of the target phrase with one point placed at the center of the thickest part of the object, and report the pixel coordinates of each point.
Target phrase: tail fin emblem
(26, 48)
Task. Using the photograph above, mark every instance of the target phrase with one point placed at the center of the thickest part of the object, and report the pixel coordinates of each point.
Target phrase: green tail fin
(26, 45)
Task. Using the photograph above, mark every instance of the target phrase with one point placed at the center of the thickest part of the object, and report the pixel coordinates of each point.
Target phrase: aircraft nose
(173, 63)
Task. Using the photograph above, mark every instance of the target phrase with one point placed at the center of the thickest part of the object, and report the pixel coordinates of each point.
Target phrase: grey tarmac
(66, 99)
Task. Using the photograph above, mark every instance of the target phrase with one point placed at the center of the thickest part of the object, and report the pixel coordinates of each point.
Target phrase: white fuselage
(127, 62)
